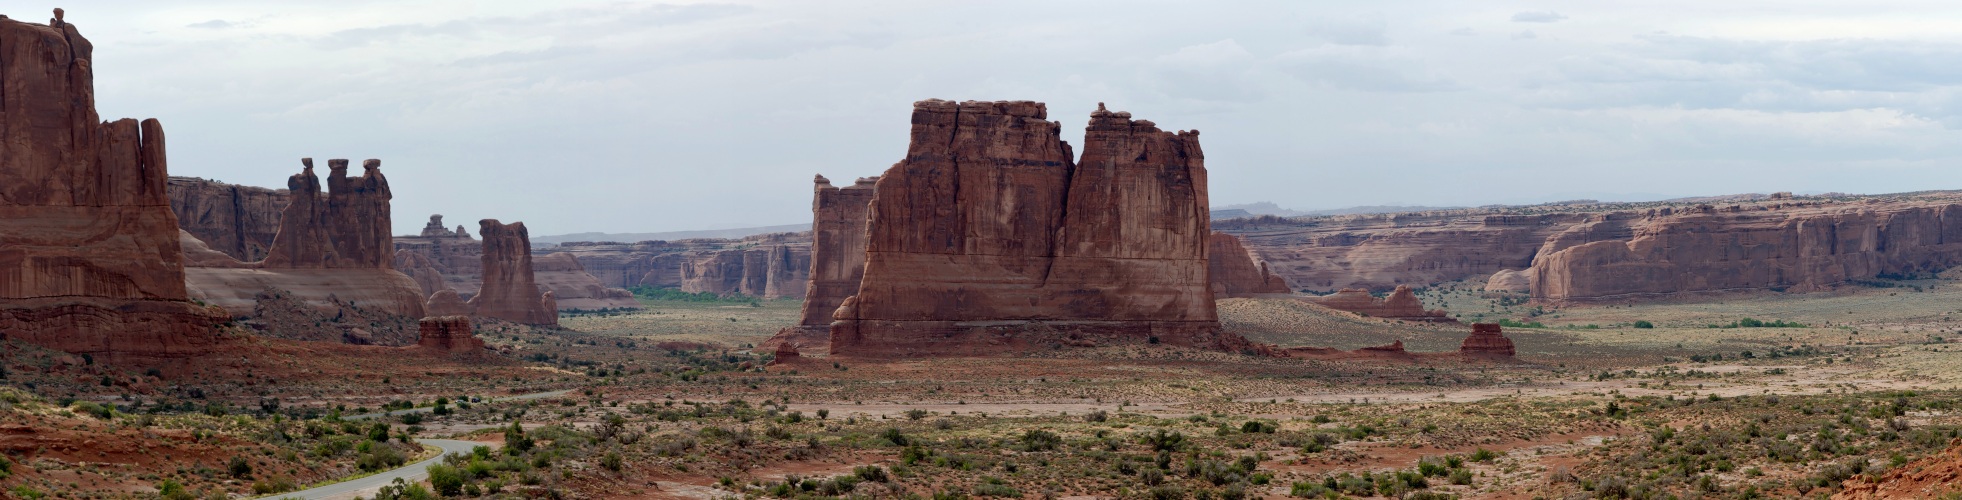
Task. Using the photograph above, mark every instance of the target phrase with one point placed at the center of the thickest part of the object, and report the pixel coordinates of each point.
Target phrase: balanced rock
(1486, 339)
(1233, 272)
(89, 255)
(989, 230)
(510, 291)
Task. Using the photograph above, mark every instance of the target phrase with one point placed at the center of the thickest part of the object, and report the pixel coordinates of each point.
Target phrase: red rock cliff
(838, 229)
(89, 258)
(239, 221)
(1234, 274)
(510, 291)
(988, 224)
(1796, 247)
(346, 228)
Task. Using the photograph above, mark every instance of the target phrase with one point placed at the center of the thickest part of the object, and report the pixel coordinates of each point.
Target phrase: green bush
(447, 480)
(1644, 324)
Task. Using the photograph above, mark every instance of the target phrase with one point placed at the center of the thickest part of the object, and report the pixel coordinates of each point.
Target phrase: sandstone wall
(452, 260)
(89, 259)
(770, 266)
(1786, 246)
(988, 232)
(510, 291)
(239, 221)
(1381, 251)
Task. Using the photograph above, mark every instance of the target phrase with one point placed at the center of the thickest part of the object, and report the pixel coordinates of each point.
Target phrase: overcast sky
(627, 117)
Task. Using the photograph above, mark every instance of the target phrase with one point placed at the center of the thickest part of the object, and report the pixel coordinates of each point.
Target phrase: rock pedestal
(450, 335)
(510, 291)
(1486, 339)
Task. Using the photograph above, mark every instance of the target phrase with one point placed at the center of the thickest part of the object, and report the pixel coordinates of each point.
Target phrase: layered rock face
(1486, 339)
(89, 260)
(1510, 281)
(449, 335)
(446, 260)
(574, 289)
(770, 266)
(1381, 251)
(1402, 304)
(330, 249)
(1785, 246)
(1233, 271)
(988, 233)
(239, 221)
(510, 292)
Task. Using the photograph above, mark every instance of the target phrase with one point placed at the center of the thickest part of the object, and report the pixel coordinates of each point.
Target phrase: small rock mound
(1487, 339)
(450, 335)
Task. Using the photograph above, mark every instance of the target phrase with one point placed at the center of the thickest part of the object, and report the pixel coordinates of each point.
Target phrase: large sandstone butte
(1796, 247)
(988, 233)
(838, 227)
(89, 260)
(1402, 304)
(510, 292)
(1234, 273)
(330, 248)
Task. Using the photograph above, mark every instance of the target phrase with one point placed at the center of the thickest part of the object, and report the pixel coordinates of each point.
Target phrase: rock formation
(1510, 281)
(838, 229)
(446, 302)
(1380, 251)
(449, 335)
(1486, 339)
(239, 221)
(89, 259)
(769, 266)
(1234, 274)
(989, 232)
(510, 292)
(1402, 304)
(346, 228)
(329, 248)
(574, 289)
(435, 228)
(1796, 247)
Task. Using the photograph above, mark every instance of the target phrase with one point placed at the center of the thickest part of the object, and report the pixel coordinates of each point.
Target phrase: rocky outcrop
(239, 221)
(348, 228)
(1488, 340)
(988, 233)
(89, 259)
(838, 229)
(449, 335)
(1380, 251)
(769, 266)
(574, 289)
(1776, 246)
(446, 302)
(510, 291)
(1234, 274)
(1402, 304)
(1510, 281)
(436, 229)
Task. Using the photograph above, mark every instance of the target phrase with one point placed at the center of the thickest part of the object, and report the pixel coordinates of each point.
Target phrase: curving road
(427, 409)
(367, 486)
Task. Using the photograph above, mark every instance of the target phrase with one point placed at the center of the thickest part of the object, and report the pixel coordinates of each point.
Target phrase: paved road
(367, 486)
(427, 409)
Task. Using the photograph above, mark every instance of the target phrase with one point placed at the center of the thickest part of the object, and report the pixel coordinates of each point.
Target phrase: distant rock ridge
(89, 255)
(1402, 304)
(1233, 272)
(990, 232)
(452, 260)
(769, 266)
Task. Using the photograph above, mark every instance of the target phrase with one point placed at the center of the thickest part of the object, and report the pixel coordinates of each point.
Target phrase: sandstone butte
(1402, 304)
(838, 226)
(989, 235)
(89, 261)
(1232, 271)
(331, 248)
(510, 292)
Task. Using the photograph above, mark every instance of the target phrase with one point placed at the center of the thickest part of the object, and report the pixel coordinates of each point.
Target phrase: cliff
(89, 259)
(239, 221)
(769, 266)
(1234, 274)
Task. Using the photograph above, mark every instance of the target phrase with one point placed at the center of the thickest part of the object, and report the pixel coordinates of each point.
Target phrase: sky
(621, 116)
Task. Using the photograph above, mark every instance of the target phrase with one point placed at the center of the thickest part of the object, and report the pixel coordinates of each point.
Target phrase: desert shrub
(1096, 416)
(892, 435)
(871, 473)
(447, 480)
(239, 467)
(612, 461)
(172, 490)
(1162, 440)
(915, 414)
(1040, 440)
(1644, 324)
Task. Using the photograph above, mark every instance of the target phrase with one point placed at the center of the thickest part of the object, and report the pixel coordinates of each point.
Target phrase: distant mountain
(670, 235)
(1231, 213)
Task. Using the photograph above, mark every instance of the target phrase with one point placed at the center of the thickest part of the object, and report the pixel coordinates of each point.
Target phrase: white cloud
(1536, 16)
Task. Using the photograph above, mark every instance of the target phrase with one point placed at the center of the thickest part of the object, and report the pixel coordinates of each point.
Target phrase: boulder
(89, 255)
